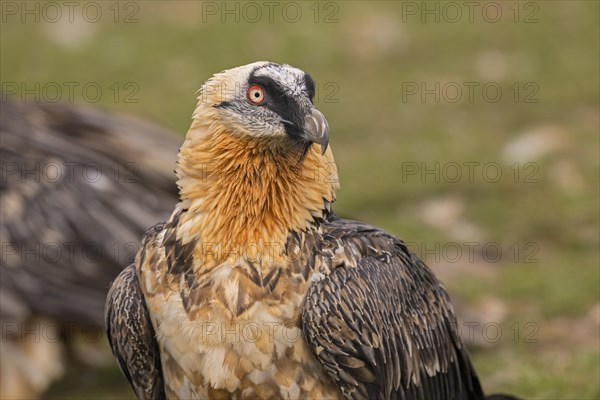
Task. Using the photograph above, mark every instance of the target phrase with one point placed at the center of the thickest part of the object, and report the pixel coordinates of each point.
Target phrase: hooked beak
(316, 129)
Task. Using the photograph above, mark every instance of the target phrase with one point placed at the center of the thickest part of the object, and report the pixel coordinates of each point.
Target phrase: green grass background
(366, 55)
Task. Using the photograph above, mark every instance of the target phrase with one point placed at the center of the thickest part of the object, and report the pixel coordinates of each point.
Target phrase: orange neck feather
(243, 190)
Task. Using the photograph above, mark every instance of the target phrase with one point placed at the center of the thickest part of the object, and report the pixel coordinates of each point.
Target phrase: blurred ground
(471, 133)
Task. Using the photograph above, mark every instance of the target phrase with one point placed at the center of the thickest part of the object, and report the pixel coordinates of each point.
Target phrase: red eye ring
(256, 94)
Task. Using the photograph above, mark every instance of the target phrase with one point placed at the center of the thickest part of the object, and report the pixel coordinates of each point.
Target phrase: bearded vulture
(255, 289)
(78, 186)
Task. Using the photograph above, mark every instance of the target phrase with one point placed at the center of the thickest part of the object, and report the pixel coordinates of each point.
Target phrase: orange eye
(256, 94)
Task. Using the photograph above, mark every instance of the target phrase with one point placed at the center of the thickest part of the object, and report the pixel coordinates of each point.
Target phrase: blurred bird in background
(79, 187)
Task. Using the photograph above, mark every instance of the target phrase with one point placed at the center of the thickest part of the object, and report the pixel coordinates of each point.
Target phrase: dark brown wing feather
(382, 324)
(79, 187)
(131, 336)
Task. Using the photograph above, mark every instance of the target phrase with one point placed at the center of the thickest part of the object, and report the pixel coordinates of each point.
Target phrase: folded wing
(131, 336)
(383, 326)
